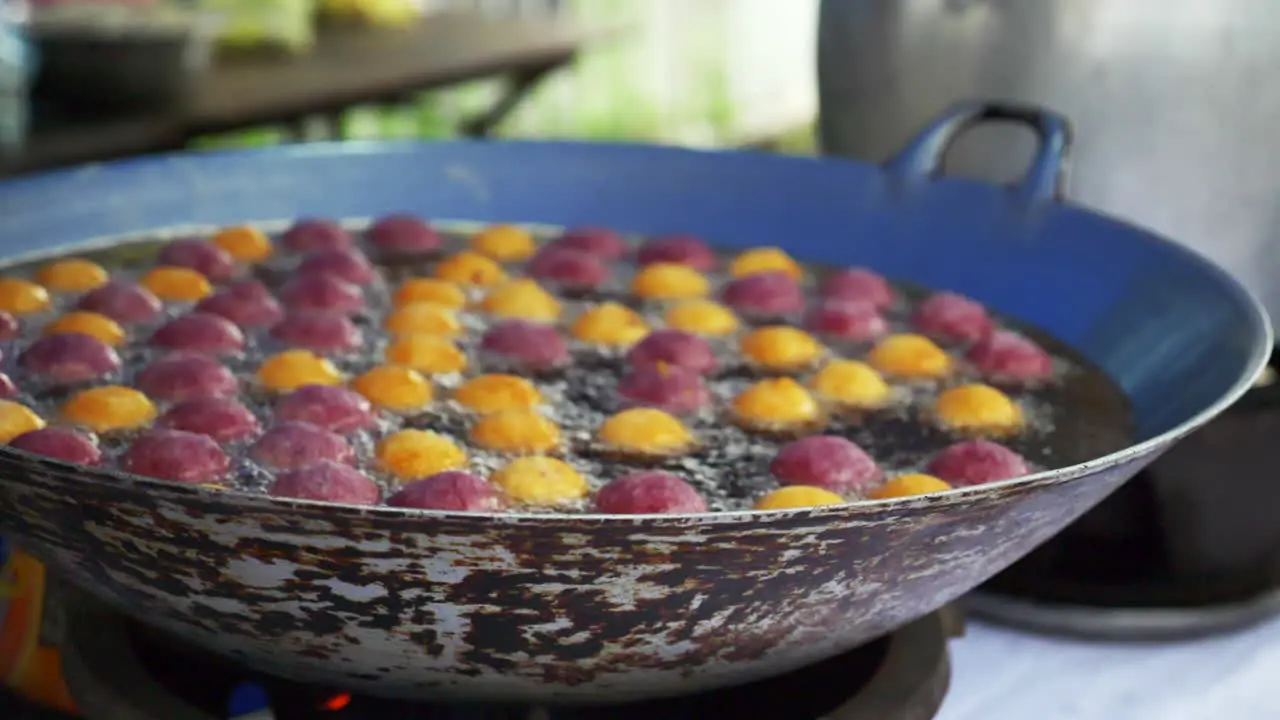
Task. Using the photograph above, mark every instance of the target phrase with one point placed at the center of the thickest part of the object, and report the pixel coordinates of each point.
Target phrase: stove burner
(119, 671)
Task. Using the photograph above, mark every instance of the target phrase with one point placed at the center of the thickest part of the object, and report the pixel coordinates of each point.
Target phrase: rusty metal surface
(398, 602)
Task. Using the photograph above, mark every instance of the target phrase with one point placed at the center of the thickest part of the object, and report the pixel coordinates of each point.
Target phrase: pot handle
(1046, 179)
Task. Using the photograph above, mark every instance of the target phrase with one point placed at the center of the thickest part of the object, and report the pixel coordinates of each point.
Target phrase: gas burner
(117, 670)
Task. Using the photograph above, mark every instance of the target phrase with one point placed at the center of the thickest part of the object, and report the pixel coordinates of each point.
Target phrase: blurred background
(163, 74)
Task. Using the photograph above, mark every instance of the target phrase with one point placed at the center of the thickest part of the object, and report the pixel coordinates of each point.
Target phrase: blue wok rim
(1264, 340)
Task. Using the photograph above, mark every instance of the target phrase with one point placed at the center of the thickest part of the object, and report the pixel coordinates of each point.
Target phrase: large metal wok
(585, 608)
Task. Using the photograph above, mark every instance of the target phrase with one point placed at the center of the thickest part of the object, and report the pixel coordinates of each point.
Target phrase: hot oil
(1079, 416)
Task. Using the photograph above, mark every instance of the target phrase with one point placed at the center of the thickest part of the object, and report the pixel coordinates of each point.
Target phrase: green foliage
(601, 97)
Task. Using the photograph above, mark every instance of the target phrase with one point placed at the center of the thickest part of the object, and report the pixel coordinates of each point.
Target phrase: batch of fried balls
(491, 370)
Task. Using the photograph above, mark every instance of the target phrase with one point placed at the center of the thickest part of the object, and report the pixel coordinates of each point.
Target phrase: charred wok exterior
(587, 608)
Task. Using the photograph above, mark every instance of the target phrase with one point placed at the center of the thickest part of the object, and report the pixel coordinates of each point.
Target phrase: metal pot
(564, 607)
(100, 59)
(1177, 100)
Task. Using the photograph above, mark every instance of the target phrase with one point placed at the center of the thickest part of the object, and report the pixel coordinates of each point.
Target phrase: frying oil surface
(534, 366)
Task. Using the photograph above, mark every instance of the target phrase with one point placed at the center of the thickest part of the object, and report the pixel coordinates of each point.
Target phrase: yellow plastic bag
(285, 24)
(377, 13)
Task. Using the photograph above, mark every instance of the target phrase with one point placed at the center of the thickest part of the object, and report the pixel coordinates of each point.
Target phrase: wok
(582, 608)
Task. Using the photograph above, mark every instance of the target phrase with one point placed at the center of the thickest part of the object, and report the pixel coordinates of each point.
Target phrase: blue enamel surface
(922, 158)
(1175, 331)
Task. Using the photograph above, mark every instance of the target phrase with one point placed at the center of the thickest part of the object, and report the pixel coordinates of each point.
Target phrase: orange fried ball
(645, 432)
(850, 384)
(504, 243)
(17, 419)
(610, 324)
(495, 392)
(470, 268)
(539, 480)
(907, 485)
(423, 317)
(762, 260)
(781, 348)
(177, 284)
(776, 404)
(910, 357)
(430, 290)
(73, 275)
(109, 408)
(292, 369)
(394, 388)
(702, 317)
(244, 243)
(521, 299)
(88, 323)
(669, 281)
(22, 297)
(798, 496)
(416, 454)
(517, 431)
(428, 354)
(977, 409)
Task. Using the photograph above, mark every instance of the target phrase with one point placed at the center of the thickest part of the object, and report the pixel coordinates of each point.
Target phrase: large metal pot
(542, 607)
(1176, 101)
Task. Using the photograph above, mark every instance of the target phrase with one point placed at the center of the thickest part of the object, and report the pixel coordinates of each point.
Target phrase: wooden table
(347, 67)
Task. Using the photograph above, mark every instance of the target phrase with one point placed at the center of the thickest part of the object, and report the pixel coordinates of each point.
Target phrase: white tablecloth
(999, 674)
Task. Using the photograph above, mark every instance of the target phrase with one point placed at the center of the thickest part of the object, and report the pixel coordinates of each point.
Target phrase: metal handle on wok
(1044, 180)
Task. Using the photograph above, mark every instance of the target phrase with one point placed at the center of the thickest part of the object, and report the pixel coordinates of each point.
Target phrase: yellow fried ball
(907, 485)
(910, 357)
(177, 284)
(540, 480)
(798, 496)
(423, 317)
(781, 348)
(73, 275)
(416, 454)
(395, 388)
(977, 408)
(504, 243)
(16, 419)
(109, 408)
(88, 323)
(762, 260)
(646, 432)
(495, 392)
(244, 243)
(610, 324)
(428, 354)
(702, 317)
(430, 290)
(22, 297)
(522, 299)
(516, 431)
(289, 370)
(470, 268)
(851, 384)
(669, 281)
(776, 404)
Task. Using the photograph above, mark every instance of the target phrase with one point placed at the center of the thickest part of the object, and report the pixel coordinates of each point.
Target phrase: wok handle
(1046, 179)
